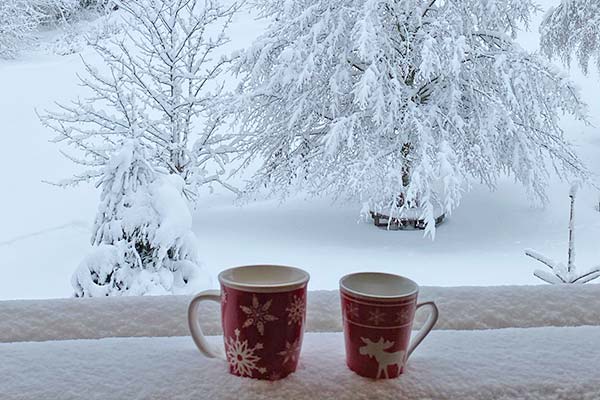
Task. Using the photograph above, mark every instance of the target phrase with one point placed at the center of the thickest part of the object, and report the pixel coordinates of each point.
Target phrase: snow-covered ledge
(462, 308)
(539, 363)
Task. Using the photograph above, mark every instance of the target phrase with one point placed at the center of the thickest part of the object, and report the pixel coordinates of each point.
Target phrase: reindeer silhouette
(384, 359)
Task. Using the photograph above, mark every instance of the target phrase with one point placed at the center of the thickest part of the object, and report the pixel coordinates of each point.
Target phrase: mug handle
(206, 348)
(427, 327)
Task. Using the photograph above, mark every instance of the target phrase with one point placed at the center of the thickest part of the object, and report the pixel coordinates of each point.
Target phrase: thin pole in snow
(571, 262)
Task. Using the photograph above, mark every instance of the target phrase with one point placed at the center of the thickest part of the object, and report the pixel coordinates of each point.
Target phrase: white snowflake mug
(263, 309)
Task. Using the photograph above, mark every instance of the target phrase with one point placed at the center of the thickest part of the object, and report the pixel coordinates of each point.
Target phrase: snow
(461, 308)
(45, 230)
(493, 364)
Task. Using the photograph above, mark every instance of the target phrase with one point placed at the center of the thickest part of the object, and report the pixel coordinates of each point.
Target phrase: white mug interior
(378, 285)
(264, 278)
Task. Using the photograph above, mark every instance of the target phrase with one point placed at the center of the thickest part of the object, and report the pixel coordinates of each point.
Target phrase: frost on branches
(143, 243)
(399, 103)
(561, 273)
(573, 29)
(161, 78)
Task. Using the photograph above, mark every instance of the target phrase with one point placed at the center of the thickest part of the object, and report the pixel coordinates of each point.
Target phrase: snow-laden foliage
(573, 29)
(561, 273)
(159, 77)
(399, 103)
(143, 243)
(18, 18)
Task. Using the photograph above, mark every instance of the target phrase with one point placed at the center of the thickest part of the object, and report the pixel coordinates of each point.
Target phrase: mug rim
(346, 289)
(265, 287)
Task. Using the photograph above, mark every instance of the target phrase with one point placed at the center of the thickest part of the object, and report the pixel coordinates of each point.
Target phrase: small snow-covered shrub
(18, 19)
(143, 243)
(561, 273)
(78, 34)
(55, 10)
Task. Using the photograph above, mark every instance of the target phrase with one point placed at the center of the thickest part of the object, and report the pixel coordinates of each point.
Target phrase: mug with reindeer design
(378, 311)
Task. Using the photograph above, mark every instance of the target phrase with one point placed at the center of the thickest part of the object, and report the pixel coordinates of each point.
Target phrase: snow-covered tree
(161, 78)
(573, 29)
(400, 103)
(158, 85)
(143, 243)
(559, 272)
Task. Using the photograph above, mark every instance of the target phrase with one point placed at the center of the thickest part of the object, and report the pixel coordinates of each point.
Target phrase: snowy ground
(44, 230)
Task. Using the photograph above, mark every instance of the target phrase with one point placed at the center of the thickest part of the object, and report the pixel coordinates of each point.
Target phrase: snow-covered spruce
(142, 241)
(573, 29)
(560, 273)
(381, 100)
(161, 79)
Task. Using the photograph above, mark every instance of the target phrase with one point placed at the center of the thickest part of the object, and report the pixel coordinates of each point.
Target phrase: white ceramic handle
(206, 348)
(433, 317)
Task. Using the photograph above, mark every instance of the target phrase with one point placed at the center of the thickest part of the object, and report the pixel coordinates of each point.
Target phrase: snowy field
(45, 230)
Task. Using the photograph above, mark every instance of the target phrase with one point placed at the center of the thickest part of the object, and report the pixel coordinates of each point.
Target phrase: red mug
(263, 309)
(378, 311)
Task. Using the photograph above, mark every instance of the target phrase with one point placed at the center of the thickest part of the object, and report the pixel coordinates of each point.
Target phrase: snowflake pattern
(376, 316)
(296, 310)
(223, 297)
(258, 315)
(351, 311)
(403, 316)
(241, 357)
(291, 352)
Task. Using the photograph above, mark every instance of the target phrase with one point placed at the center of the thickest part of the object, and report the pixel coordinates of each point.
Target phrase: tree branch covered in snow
(559, 272)
(572, 29)
(376, 100)
(161, 79)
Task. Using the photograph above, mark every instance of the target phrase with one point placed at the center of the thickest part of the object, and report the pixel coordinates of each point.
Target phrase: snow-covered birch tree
(146, 136)
(573, 29)
(402, 103)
